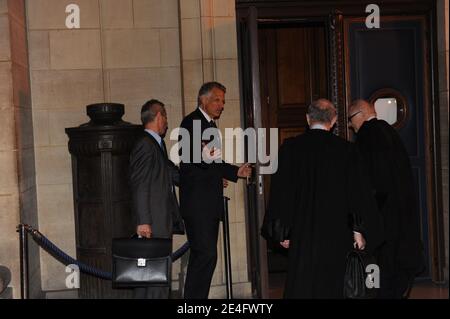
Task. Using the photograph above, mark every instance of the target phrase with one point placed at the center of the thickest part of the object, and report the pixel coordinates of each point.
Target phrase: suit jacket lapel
(154, 141)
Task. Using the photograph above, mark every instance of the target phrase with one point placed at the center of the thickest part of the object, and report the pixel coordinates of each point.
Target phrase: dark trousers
(202, 236)
(151, 293)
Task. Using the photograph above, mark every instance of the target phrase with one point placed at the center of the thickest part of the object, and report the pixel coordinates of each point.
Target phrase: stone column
(17, 171)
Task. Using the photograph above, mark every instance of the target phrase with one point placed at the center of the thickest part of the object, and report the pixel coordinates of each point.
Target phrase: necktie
(212, 124)
(164, 148)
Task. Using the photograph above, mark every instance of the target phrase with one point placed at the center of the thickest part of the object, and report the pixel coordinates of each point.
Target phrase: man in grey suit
(152, 179)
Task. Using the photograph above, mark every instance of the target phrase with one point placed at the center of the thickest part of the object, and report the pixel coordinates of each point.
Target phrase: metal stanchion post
(23, 238)
(226, 249)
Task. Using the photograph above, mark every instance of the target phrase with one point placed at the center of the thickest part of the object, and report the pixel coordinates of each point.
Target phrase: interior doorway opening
(293, 73)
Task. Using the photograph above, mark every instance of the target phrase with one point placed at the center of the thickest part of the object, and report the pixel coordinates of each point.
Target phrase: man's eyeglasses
(352, 116)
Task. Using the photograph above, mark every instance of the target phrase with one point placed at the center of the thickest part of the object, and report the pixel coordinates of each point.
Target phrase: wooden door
(393, 63)
(293, 73)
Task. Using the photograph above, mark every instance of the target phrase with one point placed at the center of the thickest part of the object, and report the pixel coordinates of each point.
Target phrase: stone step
(62, 294)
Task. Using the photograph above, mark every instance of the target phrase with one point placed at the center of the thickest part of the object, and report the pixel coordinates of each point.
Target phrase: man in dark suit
(391, 177)
(317, 194)
(201, 190)
(152, 178)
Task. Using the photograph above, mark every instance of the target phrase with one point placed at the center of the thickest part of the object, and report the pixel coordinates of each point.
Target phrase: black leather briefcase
(141, 262)
(355, 278)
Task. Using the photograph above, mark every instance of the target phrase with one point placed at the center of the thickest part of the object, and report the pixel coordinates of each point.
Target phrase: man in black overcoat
(388, 165)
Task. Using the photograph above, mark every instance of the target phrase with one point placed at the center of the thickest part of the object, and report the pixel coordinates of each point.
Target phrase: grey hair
(321, 111)
(150, 109)
(207, 87)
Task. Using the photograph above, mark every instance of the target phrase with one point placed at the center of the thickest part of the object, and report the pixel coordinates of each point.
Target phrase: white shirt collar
(208, 118)
(372, 117)
(155, 136)
(318, 126)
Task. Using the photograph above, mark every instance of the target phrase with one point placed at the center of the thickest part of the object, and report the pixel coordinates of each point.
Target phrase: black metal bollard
(23, 238)
(226, 248)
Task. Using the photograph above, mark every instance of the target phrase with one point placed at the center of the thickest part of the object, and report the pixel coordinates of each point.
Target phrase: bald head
(359, 112)
(363, 106)
(323, 112)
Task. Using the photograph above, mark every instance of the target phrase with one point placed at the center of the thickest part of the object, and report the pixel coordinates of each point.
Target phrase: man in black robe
(389, 168)
(315, 194)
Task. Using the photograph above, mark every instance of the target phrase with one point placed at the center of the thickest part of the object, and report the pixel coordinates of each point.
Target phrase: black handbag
(355, 277)
(141, 262)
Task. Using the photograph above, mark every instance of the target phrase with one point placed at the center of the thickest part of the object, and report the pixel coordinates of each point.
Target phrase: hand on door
(245, 171)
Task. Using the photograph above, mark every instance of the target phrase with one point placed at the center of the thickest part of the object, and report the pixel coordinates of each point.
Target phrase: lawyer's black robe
(316, 190)
(389, 168)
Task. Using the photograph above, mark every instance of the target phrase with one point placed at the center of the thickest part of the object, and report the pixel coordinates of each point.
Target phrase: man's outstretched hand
(245, 171)
(144, 230)
(360, 242)
(285, 243)
(210, 155)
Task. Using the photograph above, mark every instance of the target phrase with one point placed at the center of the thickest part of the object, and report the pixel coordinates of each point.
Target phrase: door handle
(260, 184)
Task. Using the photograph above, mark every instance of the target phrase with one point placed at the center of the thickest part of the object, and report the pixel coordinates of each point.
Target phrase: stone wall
(126, 51)
(17, 154)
